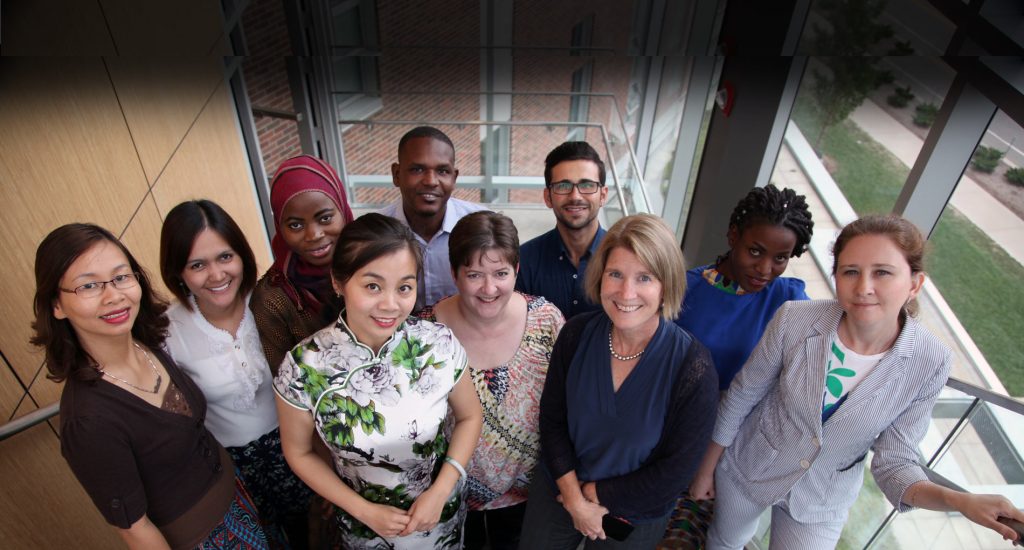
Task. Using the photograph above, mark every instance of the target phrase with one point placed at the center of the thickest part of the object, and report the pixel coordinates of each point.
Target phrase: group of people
(427, 382)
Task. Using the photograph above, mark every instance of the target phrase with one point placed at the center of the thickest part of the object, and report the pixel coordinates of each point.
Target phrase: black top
(135, 459)
(649, 491)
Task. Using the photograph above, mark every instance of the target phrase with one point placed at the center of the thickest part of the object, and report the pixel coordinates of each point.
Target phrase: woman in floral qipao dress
(378, 385)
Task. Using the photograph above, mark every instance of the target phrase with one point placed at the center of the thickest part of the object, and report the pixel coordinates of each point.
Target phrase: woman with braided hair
(730, 302)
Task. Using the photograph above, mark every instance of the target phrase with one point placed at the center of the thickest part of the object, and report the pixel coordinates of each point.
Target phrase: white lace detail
(248, 374)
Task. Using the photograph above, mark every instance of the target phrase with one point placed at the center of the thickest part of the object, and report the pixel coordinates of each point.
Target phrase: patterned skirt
(240, 529)
(276, 490)
(688, 526)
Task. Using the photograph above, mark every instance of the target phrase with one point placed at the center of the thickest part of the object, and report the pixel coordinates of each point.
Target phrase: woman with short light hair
(628, 404)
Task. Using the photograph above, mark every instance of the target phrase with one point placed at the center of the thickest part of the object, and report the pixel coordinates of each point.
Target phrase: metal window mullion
(700, 86)
(961, 123)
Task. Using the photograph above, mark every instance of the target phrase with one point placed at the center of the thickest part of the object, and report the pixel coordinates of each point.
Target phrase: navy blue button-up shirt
(546, 270)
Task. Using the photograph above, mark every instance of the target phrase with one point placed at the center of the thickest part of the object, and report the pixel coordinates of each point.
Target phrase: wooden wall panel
(10, 393)
(42, 504)
(142, 237)
(183, 27)
(44, 390)
(65, 155)
(55, 27)
(211, 164)
(161, 98)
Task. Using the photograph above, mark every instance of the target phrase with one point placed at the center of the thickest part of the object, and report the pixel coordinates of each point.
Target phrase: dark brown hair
(369, 237)
(181, 227)
(901, 232)
(572, 150)
(483, 231)
(65, 357)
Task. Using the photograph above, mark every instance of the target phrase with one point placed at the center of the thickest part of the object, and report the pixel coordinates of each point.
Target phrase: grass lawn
(977, 278)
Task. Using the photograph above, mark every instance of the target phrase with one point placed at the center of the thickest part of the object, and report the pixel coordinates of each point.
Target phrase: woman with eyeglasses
(132, 423)
(208, 265)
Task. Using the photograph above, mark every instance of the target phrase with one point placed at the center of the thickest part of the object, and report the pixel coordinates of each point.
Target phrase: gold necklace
(621, 357)
(159, 379)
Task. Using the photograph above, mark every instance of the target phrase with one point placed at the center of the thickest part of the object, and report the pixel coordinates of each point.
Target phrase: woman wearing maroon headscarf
(294, 299)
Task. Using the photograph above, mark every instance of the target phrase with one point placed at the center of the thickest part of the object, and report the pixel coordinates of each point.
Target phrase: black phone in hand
(616, 528)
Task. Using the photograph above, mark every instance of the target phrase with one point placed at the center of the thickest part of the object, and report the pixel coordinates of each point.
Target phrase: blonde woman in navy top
(628, 403)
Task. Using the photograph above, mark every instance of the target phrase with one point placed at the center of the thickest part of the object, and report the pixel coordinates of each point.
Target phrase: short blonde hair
(655, 245)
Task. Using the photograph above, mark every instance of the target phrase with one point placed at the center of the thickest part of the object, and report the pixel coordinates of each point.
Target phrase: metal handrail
(22, 423)
(604, 136)
(612, 97)
(1008, 403)
(25, 422)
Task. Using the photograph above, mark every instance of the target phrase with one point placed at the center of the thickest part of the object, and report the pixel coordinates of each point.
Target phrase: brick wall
(417, 84)
(266, 78)
(418, 79)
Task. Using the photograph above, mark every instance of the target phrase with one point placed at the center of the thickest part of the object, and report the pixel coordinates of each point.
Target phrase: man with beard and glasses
(425, 174)
(553, 264)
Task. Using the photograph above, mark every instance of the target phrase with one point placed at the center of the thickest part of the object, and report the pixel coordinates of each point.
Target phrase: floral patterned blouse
(383, 418)
(509, 447)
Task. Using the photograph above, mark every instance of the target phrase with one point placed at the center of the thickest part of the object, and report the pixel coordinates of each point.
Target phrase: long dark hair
(181, 227)
(65, 356)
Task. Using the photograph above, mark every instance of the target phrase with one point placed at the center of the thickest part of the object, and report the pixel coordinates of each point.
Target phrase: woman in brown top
(132, 424)
(294, 299)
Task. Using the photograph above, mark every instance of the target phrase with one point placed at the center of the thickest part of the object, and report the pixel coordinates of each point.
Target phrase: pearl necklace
(159, 379)
(611, 348)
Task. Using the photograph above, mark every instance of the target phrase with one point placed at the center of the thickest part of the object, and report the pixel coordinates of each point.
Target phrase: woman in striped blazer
(829, 380)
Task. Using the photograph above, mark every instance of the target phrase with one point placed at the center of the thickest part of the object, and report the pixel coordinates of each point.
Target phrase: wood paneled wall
(117, 142)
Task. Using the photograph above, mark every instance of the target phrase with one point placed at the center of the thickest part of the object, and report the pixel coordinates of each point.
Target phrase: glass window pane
(345, 25)
(977, 255)
(867, 136)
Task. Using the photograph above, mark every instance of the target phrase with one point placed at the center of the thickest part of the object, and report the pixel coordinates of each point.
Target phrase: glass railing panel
(983, 457)
(502, 160)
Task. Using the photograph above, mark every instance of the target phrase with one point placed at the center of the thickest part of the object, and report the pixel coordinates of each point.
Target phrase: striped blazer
(770, 420)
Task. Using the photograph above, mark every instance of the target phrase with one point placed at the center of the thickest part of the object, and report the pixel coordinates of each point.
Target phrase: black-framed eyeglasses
(585, 187)
(93, 289)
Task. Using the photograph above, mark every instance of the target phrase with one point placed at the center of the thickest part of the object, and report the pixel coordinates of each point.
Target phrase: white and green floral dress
(383, 417)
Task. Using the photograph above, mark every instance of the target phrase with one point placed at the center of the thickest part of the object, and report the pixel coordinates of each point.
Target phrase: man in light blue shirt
(425, 174)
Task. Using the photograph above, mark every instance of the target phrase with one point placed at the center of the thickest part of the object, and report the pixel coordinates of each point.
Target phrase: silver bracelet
(455, 464)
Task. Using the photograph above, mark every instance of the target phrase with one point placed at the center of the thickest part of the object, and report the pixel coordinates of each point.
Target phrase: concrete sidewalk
(997, 221)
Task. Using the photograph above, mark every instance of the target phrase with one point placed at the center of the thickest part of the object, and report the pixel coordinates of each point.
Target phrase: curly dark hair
(65, 356)
(770, 205)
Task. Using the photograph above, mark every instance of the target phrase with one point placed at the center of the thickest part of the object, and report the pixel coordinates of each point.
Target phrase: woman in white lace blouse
(208, 265)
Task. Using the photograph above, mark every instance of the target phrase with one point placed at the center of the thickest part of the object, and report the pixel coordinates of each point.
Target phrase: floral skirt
(240, 529)
(276, 490)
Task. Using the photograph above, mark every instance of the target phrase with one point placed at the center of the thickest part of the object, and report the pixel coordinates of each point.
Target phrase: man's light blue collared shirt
(436, 281)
